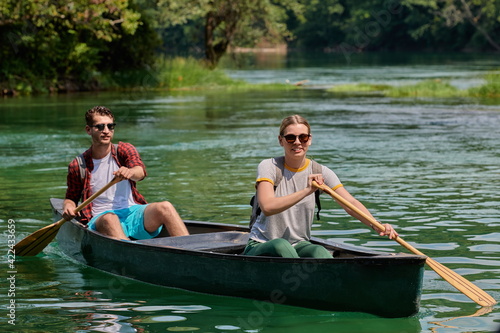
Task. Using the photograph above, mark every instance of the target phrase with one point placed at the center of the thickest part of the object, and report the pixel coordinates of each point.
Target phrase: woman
(283, 227)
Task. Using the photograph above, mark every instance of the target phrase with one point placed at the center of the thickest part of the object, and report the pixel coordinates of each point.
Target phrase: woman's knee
(314, 251)
(283, 248)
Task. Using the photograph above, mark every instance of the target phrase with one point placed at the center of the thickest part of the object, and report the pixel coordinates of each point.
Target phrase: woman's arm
(389, 230)
(270, 204)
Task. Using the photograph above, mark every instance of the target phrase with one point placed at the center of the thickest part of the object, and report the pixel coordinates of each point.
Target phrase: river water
(428, 166)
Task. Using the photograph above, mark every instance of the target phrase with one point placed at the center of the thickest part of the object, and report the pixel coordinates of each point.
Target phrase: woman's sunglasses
(303, 138)
(100, 127)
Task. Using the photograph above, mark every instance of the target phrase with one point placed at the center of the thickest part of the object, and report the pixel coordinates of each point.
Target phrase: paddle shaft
(95, 195)
(34, 243)
(466, 287)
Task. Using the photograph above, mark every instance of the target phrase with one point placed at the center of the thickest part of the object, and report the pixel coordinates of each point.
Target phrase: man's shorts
(132, 221)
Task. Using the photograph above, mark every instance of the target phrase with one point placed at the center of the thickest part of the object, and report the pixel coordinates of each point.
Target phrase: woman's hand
(315, 177)
(389, 231)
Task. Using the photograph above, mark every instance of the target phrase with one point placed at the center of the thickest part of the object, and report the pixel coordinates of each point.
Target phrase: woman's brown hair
(295, 119)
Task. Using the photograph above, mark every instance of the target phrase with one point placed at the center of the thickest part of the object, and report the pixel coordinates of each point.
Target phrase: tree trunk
(210, 25)
(215, 50)
(473, 21)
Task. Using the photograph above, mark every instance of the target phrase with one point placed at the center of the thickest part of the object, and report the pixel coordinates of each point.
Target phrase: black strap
(317, 168)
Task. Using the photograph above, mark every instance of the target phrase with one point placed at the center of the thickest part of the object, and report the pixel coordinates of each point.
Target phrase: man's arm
(136, 173)
(130, 159)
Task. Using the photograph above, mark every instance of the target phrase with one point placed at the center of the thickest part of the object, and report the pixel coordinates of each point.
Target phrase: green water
(428, 166)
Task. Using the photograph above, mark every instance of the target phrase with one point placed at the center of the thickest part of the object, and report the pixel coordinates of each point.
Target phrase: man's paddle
(456, 280)
(33, 244)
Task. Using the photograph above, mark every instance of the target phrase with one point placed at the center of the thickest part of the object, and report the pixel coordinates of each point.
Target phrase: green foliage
(359, 88)
(178, 73)
(322, 25)
(228, 23)
(61, 46)
(427, 88)
(460, 24)
(190, 73)
(58, 45)
(490, 89)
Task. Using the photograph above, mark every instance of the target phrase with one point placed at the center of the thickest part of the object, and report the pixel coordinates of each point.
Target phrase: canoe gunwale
(332, 284)
(355, 253)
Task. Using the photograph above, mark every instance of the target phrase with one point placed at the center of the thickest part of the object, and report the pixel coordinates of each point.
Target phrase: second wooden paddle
(456, 280)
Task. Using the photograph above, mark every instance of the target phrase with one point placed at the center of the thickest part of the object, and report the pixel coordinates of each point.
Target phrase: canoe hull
(387, 285)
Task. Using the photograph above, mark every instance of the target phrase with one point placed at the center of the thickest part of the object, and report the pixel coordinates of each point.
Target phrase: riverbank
(167, 74)
(426, 88)
(190, 74)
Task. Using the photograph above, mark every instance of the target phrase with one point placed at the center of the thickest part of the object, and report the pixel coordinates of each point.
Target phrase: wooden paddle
(456, 280)
(33, 244)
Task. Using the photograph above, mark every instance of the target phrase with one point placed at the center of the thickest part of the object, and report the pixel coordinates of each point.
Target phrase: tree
(60, 43)
(482, 15)
(322, 27)
(232, 23)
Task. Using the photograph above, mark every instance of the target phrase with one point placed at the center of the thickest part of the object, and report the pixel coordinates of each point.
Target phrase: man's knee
(108, 219)
(167, 206)
(163, 207)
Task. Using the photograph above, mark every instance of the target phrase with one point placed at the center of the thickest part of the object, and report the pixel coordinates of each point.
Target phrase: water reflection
(428, 166)
(448, 322)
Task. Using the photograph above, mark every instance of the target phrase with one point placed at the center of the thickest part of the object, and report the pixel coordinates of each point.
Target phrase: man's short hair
(97, 110)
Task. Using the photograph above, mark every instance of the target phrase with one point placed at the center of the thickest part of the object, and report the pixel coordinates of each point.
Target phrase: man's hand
(69, 209)
(123, 173)
(136, 173)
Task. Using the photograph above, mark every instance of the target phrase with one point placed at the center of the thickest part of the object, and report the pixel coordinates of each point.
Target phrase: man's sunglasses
(100, 127)
(303, 138)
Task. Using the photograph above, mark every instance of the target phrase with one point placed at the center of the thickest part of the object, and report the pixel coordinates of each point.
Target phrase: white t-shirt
(118, 196)
(293, 224)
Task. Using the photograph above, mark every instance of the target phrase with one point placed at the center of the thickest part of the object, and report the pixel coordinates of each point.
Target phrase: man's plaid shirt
(126, 155)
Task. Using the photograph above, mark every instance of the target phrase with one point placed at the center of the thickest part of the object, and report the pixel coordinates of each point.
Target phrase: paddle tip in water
(34, 243)
(459, 282)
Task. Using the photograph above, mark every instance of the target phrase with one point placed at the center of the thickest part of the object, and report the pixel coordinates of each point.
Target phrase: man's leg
(109, 224)
(164, 213)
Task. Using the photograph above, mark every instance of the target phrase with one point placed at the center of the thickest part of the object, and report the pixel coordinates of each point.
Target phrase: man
(121, 211)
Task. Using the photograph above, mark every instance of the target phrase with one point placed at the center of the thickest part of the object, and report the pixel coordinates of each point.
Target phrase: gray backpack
(280, 166)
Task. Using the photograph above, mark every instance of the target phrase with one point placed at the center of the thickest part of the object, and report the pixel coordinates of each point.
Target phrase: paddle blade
(465, 286)
(33, 244)
(462, 284)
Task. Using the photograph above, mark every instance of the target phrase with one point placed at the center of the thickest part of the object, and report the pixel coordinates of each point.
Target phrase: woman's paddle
(33, 244)
(466, 287)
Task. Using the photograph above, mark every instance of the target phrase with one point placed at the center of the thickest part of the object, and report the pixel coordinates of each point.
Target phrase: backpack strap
(317, 168)
(83, 166)
(280, 167)
(256, 210)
